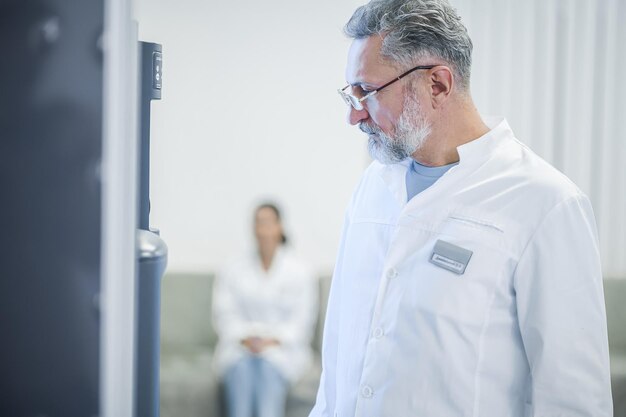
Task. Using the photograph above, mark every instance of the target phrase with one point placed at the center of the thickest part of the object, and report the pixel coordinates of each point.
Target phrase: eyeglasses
(357, 103)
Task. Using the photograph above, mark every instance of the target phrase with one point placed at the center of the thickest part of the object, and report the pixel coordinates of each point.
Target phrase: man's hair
(416, 29)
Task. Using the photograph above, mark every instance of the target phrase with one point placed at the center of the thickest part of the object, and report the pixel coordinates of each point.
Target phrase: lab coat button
(367, 391)
(392, 273)
(378, 332)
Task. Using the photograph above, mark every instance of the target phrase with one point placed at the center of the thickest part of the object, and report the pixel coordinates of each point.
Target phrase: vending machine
(51, 149)
(152, 250)
(80, 266)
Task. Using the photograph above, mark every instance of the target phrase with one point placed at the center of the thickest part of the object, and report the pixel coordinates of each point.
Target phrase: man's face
(392, 118)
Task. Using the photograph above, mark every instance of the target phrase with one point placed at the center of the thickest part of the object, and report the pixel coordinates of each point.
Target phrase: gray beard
(410, 134)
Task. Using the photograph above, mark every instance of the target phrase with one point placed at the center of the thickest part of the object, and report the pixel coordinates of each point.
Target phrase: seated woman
(264, 310)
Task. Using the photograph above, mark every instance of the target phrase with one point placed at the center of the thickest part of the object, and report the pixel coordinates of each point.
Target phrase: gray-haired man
(468, 280)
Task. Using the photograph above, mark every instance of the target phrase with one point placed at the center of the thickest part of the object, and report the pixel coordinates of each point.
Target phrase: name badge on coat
(451, 257)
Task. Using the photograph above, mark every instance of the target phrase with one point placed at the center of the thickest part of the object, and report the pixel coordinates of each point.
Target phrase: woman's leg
(271, 390)
(239, 382)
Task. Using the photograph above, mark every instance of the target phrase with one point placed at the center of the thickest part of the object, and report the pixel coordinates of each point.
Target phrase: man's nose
(356, 116)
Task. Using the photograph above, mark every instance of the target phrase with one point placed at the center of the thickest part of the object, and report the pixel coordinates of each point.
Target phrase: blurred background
(250, 112)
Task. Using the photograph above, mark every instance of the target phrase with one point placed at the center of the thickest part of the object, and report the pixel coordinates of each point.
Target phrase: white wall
(250, 109)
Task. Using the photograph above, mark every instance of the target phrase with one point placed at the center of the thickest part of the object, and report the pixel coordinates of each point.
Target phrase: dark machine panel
(50, 214)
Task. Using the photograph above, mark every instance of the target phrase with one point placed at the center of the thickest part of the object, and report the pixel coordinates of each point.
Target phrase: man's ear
(441, 84)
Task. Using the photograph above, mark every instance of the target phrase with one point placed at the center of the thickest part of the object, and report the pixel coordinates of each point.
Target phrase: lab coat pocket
(455, 273)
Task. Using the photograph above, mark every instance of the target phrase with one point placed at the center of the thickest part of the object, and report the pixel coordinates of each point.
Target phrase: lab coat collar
(471, 154)
(480, 149)
(278, 258)
(394, 177)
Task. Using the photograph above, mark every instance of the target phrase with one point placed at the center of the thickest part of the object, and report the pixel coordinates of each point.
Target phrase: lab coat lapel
(393, 176)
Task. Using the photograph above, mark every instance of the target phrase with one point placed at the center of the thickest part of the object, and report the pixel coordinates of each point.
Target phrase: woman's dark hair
(276, 211)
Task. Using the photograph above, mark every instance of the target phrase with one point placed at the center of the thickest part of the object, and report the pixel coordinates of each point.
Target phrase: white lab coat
(280, 303)
(522, 332)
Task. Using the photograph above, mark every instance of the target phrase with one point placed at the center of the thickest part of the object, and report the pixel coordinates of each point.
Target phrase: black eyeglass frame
(357, 102)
